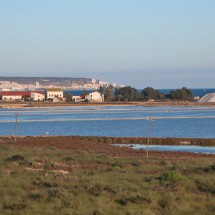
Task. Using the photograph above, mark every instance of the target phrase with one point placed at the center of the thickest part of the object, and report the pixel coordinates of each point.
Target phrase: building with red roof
(19, 95)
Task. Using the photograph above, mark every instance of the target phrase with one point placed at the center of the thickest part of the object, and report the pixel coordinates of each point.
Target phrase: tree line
(129, 93)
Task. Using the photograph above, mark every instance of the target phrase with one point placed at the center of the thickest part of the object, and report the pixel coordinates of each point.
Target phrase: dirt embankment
(83, 144)
(51, 104)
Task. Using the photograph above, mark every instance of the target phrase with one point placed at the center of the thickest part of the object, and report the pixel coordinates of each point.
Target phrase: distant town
(50, 89)
(35, 83)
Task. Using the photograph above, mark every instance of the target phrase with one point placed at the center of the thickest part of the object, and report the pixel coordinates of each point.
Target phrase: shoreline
(168, 141)
(71, 104)
(76, 143)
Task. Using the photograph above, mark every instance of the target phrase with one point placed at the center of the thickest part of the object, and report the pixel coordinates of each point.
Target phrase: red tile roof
(19, 93)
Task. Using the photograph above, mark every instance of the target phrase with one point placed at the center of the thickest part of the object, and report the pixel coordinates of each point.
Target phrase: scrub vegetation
(96, 178)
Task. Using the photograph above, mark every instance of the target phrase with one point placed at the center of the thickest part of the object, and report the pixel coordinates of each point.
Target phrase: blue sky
(158, 43)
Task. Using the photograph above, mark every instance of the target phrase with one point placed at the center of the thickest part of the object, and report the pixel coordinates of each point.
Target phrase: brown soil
(80, 144)
(51, 104)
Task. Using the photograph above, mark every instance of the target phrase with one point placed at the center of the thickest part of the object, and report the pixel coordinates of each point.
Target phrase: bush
(206, 186)
(139, 199)
(122, 201)
(95, 189)
(167, 204)
(14, 206)
(172, 177)
(213, 167)
(55, 192)
(68, 158)
(15, 158)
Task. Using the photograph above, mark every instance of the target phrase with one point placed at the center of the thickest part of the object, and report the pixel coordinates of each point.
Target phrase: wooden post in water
(149, 132)
(16, 126)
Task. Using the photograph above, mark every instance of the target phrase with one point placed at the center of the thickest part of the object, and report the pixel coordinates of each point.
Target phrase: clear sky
(158, 43)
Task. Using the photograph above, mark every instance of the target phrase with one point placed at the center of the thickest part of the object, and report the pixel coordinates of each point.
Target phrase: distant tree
(151, 93)
(101, 90)
(181, 94)
(68, 97)
(126, 94)
(26, 98)
(109, 96)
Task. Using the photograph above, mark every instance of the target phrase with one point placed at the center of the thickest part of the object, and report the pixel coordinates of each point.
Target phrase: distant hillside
(46, 80)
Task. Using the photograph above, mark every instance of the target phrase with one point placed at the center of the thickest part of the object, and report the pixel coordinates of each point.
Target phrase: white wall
(15, 97)
(94, 97)
(37, 96)
(53, 94)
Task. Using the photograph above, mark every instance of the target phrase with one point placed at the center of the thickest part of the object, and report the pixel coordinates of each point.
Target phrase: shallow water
(193, 149)
(121, 121)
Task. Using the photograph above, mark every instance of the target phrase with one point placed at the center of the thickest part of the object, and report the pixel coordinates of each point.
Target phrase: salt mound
(210, 97)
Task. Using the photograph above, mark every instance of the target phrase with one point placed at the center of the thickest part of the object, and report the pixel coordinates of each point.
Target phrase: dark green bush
(68, 158)
(213, 167)
(55, 192)
(207, 185)
(15, 158)
(122, 201)
(13, 207)
(139, 199)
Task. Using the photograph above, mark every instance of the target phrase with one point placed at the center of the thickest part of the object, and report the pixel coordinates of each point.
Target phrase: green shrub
(171, 177)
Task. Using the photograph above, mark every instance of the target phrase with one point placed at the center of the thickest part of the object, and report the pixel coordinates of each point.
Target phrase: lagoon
(116, 121)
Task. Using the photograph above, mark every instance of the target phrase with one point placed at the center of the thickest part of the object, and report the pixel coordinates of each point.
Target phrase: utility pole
(16, 126)
(149, 133)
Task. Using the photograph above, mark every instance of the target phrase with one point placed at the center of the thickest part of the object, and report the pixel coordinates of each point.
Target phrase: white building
(78, 98)
(51, 93)
(94, 97)
(37, 96)
(19, 95)
(37, 84)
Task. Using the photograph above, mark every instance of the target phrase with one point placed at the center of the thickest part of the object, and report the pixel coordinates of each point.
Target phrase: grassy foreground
(51, 180)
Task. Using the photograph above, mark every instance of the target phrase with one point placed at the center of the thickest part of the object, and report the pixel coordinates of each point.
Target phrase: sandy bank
(147, 104)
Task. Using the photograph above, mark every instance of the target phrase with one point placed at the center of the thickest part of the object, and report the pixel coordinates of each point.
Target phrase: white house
(37, 96)
(94, 97)
(51, 93)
